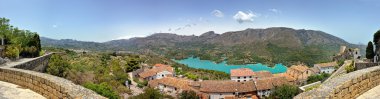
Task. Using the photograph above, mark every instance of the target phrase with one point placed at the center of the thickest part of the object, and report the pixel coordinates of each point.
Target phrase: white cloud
(217, 13)
(242, 17)
(275, 10)
(55, 26)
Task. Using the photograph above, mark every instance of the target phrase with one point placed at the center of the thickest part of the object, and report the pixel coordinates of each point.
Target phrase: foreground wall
(52, 87)
(347, 86)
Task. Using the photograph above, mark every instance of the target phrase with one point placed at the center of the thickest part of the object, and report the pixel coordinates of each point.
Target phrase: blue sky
(103, 20)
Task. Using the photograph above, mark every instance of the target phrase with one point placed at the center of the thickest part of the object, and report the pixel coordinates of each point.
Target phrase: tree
(188, 95)
(285, 92)
(369, 51)
(103, 89)
(149, 93)
(57, 66)
(376, 38)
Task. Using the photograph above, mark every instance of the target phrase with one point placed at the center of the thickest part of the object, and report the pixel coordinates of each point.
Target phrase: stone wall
(359, 66)
(347, 86)
(29, 75)
(38, 64)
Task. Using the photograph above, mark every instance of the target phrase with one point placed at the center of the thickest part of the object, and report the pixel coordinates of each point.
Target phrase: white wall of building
(163, 74)
(328, 70)
(263, 93)
(219, 95)
(242, 78)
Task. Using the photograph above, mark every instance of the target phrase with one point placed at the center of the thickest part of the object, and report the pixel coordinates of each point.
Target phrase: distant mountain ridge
(239, 47)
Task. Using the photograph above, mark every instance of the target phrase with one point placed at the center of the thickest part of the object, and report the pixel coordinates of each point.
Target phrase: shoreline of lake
(224, 67)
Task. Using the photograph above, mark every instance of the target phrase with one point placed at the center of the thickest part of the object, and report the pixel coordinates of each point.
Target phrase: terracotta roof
(300, 68)
(154, 71)
(159, 65)
(211, 86)
(263, 74)
(287, 77)
(315, 69)
(171, 81)
(241, 72)
(269, 83)
(330, 64)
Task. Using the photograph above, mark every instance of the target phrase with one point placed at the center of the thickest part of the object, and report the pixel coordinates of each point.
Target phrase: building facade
(242, 75)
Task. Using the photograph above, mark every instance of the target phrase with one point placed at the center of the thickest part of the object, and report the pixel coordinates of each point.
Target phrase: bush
(57, 66)
(285, 92)
(12, 51)
(103, 89)
(350, 68)
(188, 95)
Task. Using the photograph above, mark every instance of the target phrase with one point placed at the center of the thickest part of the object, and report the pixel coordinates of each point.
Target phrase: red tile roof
(263, 74)
(171, 81)
(242, 72)
(154, 71)
(330, 64)
(300, 68)
(270, 83)
(210, 86)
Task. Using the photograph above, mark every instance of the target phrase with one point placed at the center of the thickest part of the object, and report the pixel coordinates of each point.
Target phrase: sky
(102, 20)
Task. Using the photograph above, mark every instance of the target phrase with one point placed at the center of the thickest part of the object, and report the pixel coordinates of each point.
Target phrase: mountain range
(270, 45)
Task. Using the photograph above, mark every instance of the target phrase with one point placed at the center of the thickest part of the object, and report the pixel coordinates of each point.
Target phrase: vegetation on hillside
(19, 42)
(315, 78)
(285, 92)
(150, 93)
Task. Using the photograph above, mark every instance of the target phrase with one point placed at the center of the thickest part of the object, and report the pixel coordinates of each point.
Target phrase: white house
(157, 73)
(326, 67)
(242, 75)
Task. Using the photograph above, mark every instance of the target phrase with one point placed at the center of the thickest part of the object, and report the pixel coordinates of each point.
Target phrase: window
(250, 76)
(245, 77)
(162, 75)
(238, 80)
(244, 80)
(238, 77)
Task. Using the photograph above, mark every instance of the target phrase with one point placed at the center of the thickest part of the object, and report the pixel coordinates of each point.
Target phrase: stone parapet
(347, 86)
(49, 86)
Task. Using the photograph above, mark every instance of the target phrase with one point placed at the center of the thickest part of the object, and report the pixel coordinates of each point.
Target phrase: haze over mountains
(246, 46)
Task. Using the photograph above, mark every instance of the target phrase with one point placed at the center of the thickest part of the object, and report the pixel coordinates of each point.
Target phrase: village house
(265, 86)
(242, 74)
(170, 85)
(297, 74)
(326, 67)
(157, 73)
(226, 89)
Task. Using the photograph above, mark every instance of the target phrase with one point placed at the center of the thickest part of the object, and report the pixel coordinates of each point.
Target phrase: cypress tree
(369, 51)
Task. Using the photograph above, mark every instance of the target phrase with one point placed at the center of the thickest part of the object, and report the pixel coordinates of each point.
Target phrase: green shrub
(103, 89)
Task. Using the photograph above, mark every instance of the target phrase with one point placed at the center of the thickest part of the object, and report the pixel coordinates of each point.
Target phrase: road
(12, 91)
(135, 90)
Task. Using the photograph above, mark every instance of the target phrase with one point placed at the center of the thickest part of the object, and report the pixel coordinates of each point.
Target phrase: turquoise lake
(224, 67)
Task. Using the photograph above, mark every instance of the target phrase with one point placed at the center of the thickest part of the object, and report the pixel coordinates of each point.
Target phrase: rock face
(282, 36)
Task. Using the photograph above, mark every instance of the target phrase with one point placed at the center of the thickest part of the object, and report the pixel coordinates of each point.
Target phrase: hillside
(271, 45)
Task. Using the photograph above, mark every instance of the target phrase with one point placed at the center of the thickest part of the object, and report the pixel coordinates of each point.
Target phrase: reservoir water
(224, 67)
